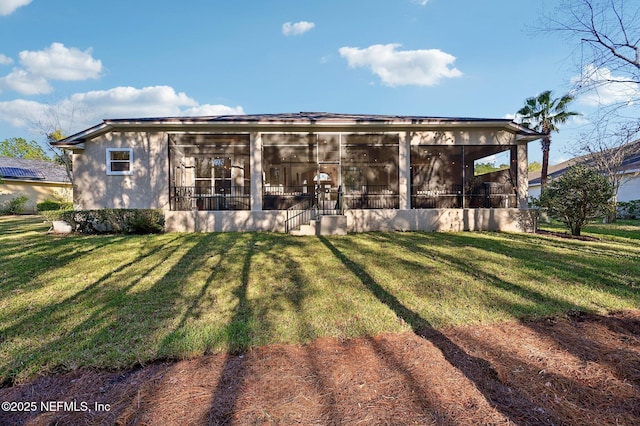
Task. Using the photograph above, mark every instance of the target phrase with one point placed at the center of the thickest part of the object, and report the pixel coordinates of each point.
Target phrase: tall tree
(21, 148)
(544, 113)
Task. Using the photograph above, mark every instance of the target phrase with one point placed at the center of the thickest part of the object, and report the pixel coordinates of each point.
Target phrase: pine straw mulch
(580, 369)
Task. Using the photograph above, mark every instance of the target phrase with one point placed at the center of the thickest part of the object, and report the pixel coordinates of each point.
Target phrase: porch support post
(404, 164)
(523, 175)
(255, 162)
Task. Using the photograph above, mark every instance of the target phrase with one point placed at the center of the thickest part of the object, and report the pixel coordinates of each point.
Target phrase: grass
(119, 301)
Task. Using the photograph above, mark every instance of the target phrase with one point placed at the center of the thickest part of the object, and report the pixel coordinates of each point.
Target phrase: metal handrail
(299, 214)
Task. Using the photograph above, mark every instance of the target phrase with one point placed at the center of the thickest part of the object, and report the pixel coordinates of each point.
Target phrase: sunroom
(334, 171)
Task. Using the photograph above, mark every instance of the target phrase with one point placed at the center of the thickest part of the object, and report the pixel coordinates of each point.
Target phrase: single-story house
(630, 169)
(37, 179)
(264, 172)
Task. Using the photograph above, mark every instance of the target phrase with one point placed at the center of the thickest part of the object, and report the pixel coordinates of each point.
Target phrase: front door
(327, 182)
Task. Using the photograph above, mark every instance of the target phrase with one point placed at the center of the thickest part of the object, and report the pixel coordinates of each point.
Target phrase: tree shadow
(477, 370)
(225, 396)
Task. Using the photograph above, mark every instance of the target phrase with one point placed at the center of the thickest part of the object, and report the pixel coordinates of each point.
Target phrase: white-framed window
(119, 161)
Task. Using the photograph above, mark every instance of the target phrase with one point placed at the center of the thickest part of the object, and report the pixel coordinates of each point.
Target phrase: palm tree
(543, 114)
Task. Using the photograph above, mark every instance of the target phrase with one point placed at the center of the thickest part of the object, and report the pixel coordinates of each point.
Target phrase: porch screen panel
(209, 172)
(370, 174)
(497, 186)
(289, 165)
(437, 176)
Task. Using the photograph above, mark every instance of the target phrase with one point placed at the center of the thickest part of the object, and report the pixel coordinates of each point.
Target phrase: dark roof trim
(295, 122)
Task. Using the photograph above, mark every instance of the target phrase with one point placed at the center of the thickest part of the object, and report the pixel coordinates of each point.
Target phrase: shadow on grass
(122, 319)
(225, 396)
(592, 265)
(117, 316)
(477, 370)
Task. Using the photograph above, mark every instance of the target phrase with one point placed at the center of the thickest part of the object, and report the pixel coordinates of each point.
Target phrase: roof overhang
(303, 122)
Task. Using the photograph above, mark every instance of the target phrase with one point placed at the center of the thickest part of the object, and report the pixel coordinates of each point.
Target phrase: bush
(48, 205)
(578, 195)
(112, 221)
(15, 205)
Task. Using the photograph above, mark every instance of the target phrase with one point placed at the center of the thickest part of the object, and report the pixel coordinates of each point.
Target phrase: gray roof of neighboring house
(300, 119)
(32, 170)
(630, 164)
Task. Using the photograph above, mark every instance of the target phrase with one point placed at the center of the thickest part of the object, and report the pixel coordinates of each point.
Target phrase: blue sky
(88, 60)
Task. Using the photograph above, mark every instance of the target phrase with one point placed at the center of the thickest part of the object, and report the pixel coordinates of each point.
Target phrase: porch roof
(302, 121)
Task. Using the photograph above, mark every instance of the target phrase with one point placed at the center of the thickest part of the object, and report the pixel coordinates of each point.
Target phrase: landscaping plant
(577, 196)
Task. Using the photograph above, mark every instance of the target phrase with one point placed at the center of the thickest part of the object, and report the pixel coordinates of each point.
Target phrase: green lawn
(117, 301)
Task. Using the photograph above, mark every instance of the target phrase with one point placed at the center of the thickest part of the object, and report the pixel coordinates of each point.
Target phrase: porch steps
(323, 225)
(306, 229)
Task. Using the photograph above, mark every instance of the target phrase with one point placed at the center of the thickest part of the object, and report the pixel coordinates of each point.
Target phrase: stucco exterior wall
(37, 192)
(146, 187)
(453, 220)
(478, 136)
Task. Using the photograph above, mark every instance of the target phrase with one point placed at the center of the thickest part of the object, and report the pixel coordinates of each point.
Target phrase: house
(629, 169)
(349, 172)
(37, 179)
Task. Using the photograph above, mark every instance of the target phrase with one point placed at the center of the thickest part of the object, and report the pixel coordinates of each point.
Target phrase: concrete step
(310, 229)
(325, 225)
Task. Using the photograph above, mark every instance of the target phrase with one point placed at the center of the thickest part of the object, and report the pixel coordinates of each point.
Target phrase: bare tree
(611, 151)
(53, 123)
(606, 34)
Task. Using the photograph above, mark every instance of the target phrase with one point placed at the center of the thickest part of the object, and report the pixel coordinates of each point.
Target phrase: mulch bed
(582, 369)
(567, 235)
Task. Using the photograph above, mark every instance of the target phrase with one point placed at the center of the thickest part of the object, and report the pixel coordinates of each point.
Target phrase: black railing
(446, 197)
(299, 214)
(371, 197)
(489, 195)
(205, 198)
(285, 197)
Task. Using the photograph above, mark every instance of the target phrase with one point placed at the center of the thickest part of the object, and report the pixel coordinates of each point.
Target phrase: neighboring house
(253, 172)
(630, 168)
(37, 179)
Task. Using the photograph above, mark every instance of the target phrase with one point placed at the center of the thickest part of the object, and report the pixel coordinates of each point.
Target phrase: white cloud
(19, 112)
(58, 62)
(603, 90)
(208, 110)
(298, 28)
(83, 110)
(23, 82)
(421, 2)
(401, 68)
(129, 102)
(5, 60)
(7, 7)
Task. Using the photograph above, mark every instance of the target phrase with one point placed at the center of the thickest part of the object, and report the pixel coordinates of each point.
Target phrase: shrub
(113, 221)
(48, 205)
(578, 195)
(16, 205)
(146, 222)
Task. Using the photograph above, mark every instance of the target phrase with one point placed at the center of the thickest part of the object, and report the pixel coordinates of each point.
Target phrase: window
(119, 161)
